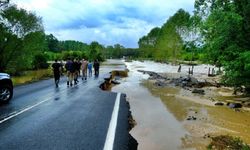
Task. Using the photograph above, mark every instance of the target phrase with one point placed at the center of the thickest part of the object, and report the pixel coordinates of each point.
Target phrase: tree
(109, 51)
(53, 43)
(40, 62)
(17, 25)
(95, 51)
(72, 45)
(118, 51)
(149, 41)
(147, 44)
(226, 37)
(166, 42)
(170, 42)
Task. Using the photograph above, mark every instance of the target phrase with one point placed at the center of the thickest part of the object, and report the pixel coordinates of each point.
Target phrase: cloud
(109, 34)
(106, 21)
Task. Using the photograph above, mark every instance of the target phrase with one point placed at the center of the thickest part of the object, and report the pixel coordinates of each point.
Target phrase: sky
(106, 21)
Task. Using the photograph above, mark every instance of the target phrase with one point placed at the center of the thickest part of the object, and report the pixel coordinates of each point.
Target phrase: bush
(40, 62)
(227, 142)
(191, 57)
(73, 54)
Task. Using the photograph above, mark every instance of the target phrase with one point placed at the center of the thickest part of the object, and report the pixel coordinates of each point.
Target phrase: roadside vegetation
(227, 142)
(32, 76)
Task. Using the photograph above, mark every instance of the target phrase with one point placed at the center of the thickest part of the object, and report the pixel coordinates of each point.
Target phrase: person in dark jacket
(96, 67)
(70, 71)
(75, 67)
(57, 71)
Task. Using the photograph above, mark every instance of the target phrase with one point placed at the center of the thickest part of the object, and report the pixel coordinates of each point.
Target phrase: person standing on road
(77, 65)
(84, 69)
(96, 67)
(70, 71)
(75, 68)
(57, 71)
(90, 68)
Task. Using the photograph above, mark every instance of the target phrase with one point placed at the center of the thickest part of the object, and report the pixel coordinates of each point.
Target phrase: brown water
(161, 113)
(211, 120)
(157, 128)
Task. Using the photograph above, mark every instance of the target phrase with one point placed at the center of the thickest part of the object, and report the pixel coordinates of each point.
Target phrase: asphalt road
(82, 117)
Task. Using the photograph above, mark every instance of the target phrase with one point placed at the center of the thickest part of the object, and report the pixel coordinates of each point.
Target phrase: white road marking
(14, 114)
(109, 142)
(24, 110)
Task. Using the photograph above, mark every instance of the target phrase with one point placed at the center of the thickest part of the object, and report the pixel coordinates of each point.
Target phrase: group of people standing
(74, 68)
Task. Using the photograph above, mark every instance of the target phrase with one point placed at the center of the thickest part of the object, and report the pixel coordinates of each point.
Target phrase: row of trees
(55, 45)
(24, 44)
(218, 33)
(64, 49)
(177, 37)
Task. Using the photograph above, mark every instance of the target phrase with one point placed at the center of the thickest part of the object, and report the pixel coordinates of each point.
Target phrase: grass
(32, 76)
(226, 142)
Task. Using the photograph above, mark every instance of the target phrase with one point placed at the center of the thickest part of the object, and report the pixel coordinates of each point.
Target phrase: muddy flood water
(162, 113)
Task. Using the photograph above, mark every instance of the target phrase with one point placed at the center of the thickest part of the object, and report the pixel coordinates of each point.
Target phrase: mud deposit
(171, 117)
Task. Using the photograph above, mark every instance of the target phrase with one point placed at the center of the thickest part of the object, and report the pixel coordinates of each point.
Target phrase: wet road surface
(41, 116)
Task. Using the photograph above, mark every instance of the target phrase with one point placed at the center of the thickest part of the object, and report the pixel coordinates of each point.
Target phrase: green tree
(16, 26)
(53, 43)
(118, 51)
(109, 51)
(226, 36)
(170, 42)
(147, 44)
(95, 51)
(40, 61)
(149, 41)
(72, 45)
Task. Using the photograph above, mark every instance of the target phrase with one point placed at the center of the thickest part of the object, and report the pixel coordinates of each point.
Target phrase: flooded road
(162, 113)
(156, 127)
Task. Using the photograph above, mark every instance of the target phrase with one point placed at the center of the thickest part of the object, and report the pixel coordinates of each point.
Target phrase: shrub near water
(225, 142)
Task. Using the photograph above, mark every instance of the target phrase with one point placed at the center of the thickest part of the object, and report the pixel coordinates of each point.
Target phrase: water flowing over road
(171, 117)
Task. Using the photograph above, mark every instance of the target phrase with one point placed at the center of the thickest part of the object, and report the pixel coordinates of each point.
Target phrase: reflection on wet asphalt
(45, 117)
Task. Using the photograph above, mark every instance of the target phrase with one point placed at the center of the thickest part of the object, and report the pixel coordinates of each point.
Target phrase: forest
(217, 32)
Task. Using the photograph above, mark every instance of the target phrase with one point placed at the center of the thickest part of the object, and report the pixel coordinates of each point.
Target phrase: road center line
(110, 138)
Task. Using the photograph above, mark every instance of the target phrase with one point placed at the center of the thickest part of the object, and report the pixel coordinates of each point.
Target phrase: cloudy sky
(106, 21)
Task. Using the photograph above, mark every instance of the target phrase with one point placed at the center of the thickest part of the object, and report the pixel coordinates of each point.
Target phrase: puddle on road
(161, 115)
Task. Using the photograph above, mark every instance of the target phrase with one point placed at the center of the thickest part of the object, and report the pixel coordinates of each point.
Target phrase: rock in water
(198, 91)
(235, 105)
(219, 104)
(115, 82)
